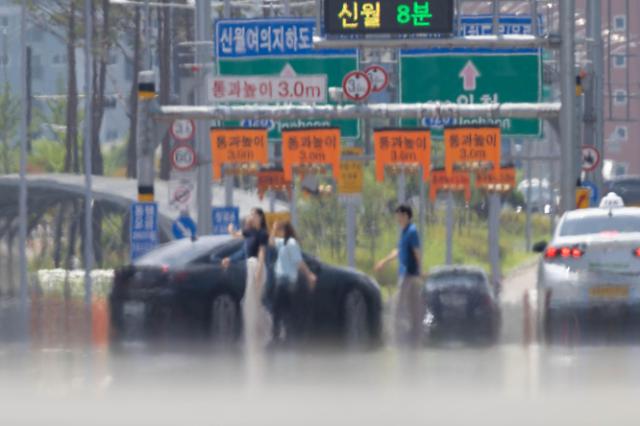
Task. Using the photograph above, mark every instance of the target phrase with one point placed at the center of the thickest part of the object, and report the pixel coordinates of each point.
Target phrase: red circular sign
(356, 86)
(183, 157)
(183, 130)
(378, 77)
(590, 158)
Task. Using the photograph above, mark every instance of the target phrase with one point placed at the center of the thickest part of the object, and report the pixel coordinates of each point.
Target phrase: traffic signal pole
(146, 136)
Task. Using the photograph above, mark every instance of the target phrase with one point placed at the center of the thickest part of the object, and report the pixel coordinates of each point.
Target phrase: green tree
(9, 119)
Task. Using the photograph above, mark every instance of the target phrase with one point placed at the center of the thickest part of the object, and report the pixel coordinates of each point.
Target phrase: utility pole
(594, 113)
(203, 146)
(568, 119)
(22, 196)
(147, 35)
(87, 152)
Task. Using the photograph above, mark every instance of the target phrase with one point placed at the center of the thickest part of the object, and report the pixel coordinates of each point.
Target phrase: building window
(37, 70)
(4, 60)
(112, 134)
(4, 21)
(621, 133)
(620, 61)
(620, 23)
(621, 169)
(60, 59)
(620, 97)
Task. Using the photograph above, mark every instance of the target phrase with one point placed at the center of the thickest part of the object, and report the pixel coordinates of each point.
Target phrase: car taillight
(636, 252)
(563, 253)
(164, 269)
(551, 252)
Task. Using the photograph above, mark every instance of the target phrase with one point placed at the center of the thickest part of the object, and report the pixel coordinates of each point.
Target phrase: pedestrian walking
(256, 319)
(289, 317)
(408, 304)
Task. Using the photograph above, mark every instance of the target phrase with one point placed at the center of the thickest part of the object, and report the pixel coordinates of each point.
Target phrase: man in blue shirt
(409, 255)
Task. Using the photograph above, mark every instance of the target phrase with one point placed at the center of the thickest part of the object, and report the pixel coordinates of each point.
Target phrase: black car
(181, 290)
(627, 187)
(460, 303)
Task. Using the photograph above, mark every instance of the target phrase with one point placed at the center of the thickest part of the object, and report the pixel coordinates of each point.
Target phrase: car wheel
(225, 320)
(356, 319)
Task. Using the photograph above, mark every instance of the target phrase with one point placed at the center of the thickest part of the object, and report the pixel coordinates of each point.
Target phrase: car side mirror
(540, 247)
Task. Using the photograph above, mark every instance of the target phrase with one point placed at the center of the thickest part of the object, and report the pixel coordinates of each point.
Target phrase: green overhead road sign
(466, 76)
(280, 47)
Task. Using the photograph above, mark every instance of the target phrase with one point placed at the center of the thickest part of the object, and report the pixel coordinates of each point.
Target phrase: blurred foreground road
(511, 383)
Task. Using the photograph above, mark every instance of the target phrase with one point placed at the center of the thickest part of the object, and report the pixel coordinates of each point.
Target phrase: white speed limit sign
(356, 86)
(183, 157)
(183, 130)
(378, 77)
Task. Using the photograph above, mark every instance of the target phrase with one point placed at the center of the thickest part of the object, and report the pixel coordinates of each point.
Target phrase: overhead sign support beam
(488, 42)
(543, 110)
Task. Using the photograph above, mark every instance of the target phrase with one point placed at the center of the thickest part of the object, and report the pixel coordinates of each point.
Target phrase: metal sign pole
(228, 190)
(351, 232)
(293, 211)
(449, 222)
(494, 238)
(527, 230)
(401, 183)
(596, 55)
(203, 145)
(422, 218)
(569, 142)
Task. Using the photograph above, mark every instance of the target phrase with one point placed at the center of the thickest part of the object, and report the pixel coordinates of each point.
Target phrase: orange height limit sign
(471, 148)
(238, 146)
(310, 146)
(402, 146)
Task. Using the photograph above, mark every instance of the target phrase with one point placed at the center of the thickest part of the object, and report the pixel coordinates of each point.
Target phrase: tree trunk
(71, 160)
(57, 236)
(132, 153)
(99, 85)
(164, 58)
(73, 232)
(97, 215)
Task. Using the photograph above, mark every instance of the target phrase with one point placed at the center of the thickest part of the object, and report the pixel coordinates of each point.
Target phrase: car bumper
(561, 289)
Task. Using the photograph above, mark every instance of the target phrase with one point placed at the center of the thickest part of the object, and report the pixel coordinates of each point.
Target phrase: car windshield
(600, 224)
(178, 253)
(456, 280)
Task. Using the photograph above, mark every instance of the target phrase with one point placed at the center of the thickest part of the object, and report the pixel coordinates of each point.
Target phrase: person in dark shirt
(256, 319)
(409, 257)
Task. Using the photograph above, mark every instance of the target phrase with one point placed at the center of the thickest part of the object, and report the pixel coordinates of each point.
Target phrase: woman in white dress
(256, 319)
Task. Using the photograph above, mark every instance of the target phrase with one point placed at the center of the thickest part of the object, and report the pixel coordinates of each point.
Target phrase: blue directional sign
(184, 227)
(144, 228)
(246, 38)
(222, 217)
(595, 194)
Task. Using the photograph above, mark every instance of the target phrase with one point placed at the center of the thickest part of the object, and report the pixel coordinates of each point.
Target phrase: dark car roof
(183, 250)
(456, 270)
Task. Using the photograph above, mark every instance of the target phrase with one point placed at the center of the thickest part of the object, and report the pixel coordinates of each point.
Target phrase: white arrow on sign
(469, 75)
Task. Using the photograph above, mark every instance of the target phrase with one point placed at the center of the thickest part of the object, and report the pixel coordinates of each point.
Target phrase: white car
(591, 266)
